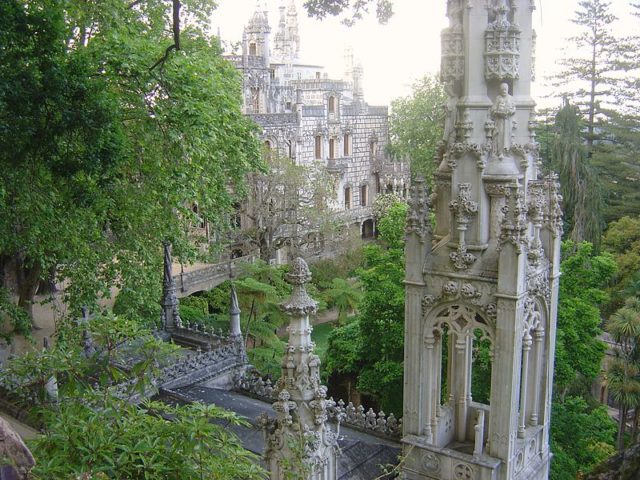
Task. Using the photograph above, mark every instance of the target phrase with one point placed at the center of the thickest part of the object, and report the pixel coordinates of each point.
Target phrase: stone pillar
(299, 442)
(170, 315)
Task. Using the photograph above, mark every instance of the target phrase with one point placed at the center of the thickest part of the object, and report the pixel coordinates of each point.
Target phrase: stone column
(537, 380)
(299, 442)
(524, 377)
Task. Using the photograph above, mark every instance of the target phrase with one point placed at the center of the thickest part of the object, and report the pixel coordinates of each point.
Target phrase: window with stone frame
(318, 147)
(364, 195)
(253, 49)
(347, 198)
(332, 148)
(346, 142)
(332, 105)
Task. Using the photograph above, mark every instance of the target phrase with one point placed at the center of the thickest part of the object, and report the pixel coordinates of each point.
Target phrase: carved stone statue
(502, 112)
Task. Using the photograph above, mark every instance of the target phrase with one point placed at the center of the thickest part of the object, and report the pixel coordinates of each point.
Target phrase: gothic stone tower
(485, 282)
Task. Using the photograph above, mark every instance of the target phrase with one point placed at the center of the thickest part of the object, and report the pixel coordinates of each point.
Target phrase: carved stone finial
(464, 209)
(514, 222)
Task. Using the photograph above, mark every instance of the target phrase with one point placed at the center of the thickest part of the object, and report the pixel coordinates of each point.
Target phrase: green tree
(115, 118)
(381, 312)
(343, 295)
(351, 11)
(581, 437)
(622, 239)
(591, 65)
(579, 352)
(581, 190)
(623, 373)
(288, 206)
(94, 430)
(416, 125)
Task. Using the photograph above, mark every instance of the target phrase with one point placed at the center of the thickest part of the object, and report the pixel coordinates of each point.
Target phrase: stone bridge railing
(208, 276)
(349, 415)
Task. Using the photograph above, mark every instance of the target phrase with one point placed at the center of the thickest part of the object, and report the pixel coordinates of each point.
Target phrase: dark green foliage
(580, 187)
(92, 433)
(416, 126)
(381, 313)
(578, 350)
(102, 155)
(581, 437)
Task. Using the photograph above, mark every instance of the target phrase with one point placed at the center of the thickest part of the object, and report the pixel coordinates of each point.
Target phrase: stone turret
(489, 280)
(299, 442)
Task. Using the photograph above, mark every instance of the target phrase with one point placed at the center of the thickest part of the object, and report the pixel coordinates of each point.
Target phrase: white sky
(396, 54)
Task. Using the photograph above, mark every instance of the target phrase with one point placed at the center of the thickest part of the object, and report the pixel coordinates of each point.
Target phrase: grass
(320, 336)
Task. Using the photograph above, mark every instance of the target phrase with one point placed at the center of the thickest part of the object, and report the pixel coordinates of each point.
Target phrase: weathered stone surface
(15, 458)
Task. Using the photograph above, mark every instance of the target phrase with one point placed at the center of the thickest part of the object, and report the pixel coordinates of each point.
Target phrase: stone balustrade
(346, 414)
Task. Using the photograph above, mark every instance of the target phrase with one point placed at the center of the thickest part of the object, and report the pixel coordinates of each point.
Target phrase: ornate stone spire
(300, 443)
(170, 315)
(492, 273)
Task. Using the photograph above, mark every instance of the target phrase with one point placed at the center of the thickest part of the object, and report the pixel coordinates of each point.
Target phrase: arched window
(253, 49)
(332, 105)
(318, 149)
(347, 198)
(346, 142)
(332, 148)
(364, 195)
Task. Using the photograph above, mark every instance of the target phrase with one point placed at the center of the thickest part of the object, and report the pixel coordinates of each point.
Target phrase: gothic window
(317, 75)
(347, 144)
(347, 198)
(364, 195)
(332, 105)
(332, 148)
(255, 99)
(376, 177)
(253, 49)
(318, 146)
(290, 149)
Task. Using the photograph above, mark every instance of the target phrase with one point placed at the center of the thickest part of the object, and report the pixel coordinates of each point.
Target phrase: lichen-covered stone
(15, 458)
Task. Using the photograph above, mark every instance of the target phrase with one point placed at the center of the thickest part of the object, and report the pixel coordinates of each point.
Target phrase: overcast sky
(396, 54)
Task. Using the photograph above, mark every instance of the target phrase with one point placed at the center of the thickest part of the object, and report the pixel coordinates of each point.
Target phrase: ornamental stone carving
(502, 45)
(452, 60)
(554, 213)
(462, 471)
(463, 209)
(418, 215)
(514, 222)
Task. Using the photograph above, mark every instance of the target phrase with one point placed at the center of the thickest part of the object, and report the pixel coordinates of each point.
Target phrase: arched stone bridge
(205, 276)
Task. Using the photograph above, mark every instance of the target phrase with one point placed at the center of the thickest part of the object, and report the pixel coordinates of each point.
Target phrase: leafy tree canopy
(416, 125)
(115, 118)
(351, 11)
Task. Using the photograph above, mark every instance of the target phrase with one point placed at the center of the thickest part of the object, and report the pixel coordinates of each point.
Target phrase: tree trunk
(28, 279)
(622, 424)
